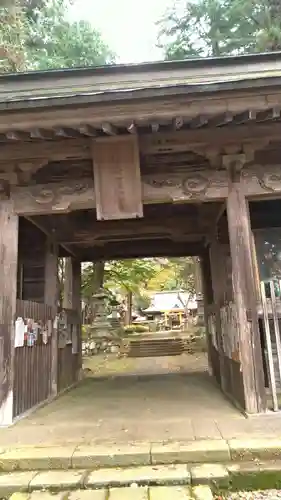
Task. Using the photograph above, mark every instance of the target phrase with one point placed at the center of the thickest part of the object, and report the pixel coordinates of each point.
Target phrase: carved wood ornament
(261, 179)
(48, 198)
(194, 186)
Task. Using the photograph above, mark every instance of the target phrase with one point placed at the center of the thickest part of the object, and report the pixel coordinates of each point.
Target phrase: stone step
(131, 493)
(88, 457)
(155, 347)
(142, 483)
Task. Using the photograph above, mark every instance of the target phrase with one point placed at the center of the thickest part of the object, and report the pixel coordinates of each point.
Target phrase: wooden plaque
(117, 177)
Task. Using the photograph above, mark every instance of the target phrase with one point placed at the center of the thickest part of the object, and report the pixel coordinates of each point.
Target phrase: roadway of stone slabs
(129, 493)
(92, 456)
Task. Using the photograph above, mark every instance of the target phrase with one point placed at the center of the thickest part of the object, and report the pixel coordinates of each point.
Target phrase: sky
(127, 26)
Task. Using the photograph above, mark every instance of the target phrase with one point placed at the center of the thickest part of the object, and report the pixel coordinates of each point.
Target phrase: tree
(57, 43)
(122, 277)
(13, 38)
(174, 273)
(220, 27)
(130, 277)
(36, 35)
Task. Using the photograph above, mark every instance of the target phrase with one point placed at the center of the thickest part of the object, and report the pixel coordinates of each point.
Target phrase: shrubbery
(133, 329)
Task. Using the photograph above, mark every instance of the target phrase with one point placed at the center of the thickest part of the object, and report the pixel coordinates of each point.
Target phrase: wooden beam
(160, 248)
(76, 305)
(8, 295)
(54, 198)
(51, 298)
(87, 130)
(179, 141)
(53, 150)
(187, 140)
(109, 129)
(132, 129)
(221, 120)
(155, 127)
(64, 197)
(261, 181)
(65, 132)
(244, 117)
(199, 121)
(164, 108)
(269, 114)
(13, 135)
(41, 134)
(244, 290)
(178, 123)
(41, 227)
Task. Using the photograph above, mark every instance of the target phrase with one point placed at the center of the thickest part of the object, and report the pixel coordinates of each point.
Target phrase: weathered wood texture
(68, 367)
(54, 198)
(8, 290)
(70, 355)
(218, 283)
(68, 284)
(258, 181)
(31, 265)
(244, 292)
(32, 364)
(76, 304)
(233, 376)
(51, 299)
(213, 346)
(205, 267)
(116, 166)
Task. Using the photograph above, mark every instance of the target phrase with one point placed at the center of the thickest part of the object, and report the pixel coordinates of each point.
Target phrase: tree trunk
(98, 275)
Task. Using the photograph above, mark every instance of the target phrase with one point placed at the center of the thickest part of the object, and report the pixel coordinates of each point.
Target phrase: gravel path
(254, 495)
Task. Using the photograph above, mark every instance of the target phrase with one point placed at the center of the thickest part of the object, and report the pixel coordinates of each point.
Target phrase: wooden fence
(33, 359)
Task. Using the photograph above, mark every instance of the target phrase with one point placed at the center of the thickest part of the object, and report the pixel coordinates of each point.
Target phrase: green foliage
(129, 329)
(220, 27)
(141, 328)
(135, 329)
(13, 39)
(37, 35)
(129, 275)
(174, 274)
(140, 276)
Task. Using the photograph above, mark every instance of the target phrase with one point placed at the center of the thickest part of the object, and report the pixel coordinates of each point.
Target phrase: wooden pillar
(199, 289)
(208, 300)
(76, 304)
(51, 299)
(244, 289)
(72, 300)
(8, 294)
(68, 284)
(218, 285)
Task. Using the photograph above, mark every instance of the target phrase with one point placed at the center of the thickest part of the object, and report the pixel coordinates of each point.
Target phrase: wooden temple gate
(137, 162)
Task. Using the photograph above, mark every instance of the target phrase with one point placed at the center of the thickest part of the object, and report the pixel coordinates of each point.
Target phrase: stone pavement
(136, 480)
(199, 482)
(167, 399)
(142, 454)
(131, 493)
(168, 404)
